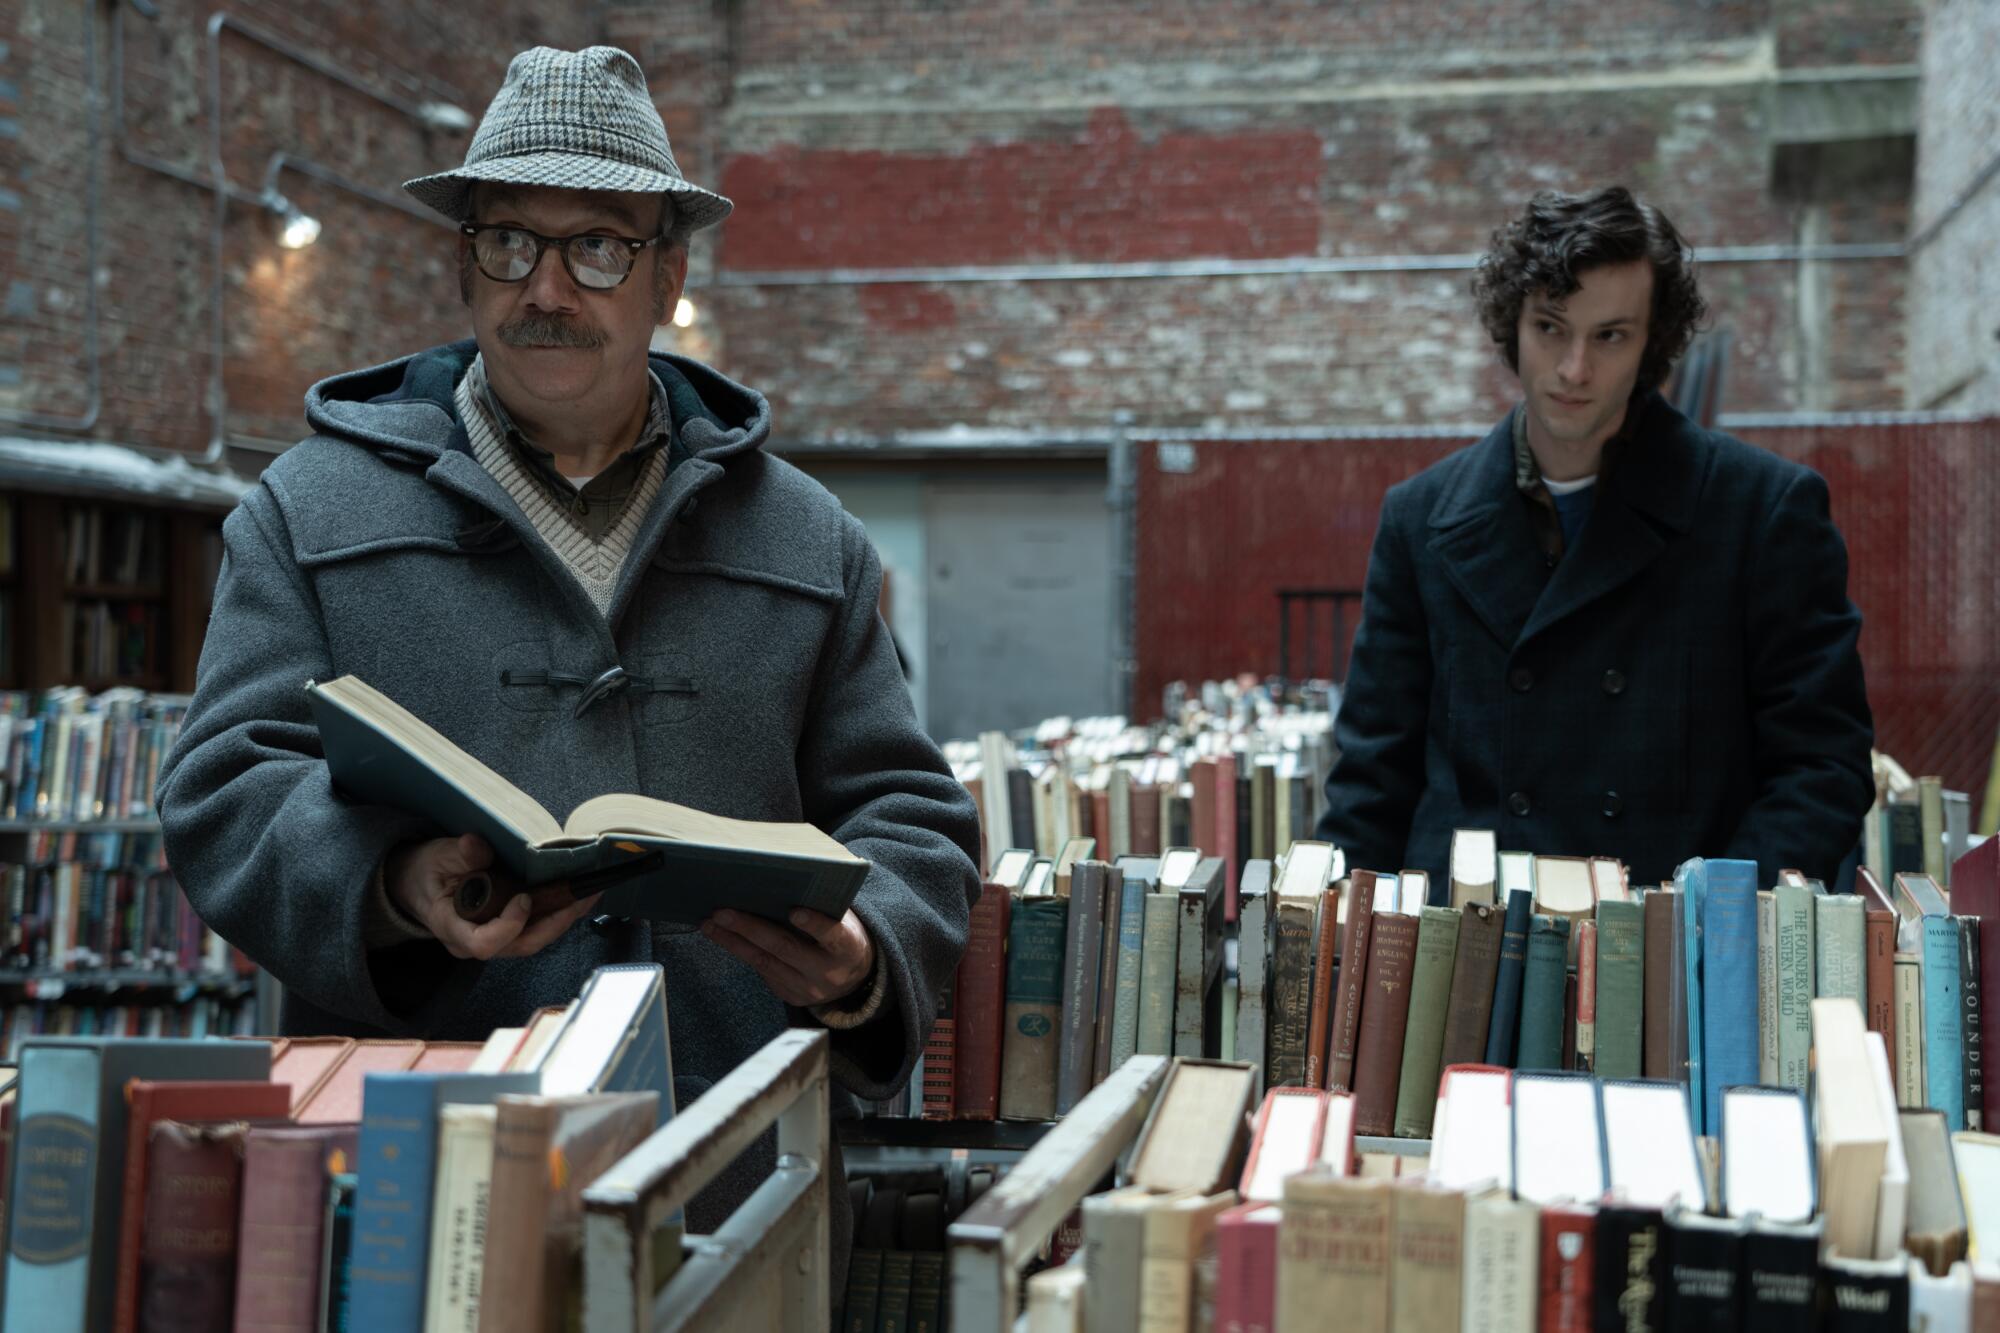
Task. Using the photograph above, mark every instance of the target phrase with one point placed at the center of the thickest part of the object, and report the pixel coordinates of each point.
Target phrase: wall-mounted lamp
(446, 117)
(299, 229)
(685, 314)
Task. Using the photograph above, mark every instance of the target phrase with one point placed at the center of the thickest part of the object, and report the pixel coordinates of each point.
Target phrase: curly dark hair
(1562, 235)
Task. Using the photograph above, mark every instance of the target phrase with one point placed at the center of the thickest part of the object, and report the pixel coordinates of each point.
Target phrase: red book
(187, 1260)
(1345, 1022)
(1586, 997)
(1225, 830)
(338, 1100)
(1975, 891)
(1201, 811)
(1319, 1022)
(982, 1005)
(285, 1172)
(1879, 974)
(1567, 1236)
(940, 1062)
(1146, 819)
(150, 1102)
(447, 1057)
(305, 1064)
(1246, 1269)
(1378, 1048)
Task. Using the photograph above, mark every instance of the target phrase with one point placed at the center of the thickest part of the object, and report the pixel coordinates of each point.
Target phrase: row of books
(1915, 826)
(73, 916)
(209, 1014)
(114, 640)
(117, 546)
(896, 1270)
(326, 1183)
(1547, 1201)
(1359, 982)
(72, 755)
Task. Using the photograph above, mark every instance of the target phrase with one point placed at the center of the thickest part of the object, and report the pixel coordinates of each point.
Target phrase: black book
(1970, 989)
(1906, 838)
(1179, 830)
(1781, 1277)
(1504, 1024)
(1629, 1290)
(1083, 954)
(1704, 1260)
(1021, 806)
(1864, 1295)
(1246, 824)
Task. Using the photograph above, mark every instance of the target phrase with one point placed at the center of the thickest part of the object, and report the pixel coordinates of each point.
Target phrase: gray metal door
(1020, 609)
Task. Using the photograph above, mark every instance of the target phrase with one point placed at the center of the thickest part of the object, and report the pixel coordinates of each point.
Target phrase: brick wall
(378, 282)
(1955, 275)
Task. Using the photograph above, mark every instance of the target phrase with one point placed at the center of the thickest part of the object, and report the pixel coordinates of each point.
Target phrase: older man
(572, 557)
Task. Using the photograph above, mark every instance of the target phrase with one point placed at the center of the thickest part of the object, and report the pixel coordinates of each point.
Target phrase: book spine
(1975, 891)
(1568, 1260)
(1503, 1029)
(1628, 1286)
(1423, 1034)
(1539, 1041)
(1378, 1056)
(1767, 987)
(1427, 1253)
(398, 1156)
(894, 1312)
(1911, 1087)
(927, 1292)
(1083, 952)
(1880, 978)
(1621, 980)
(1470, 1003)
(1246, 1292)
(1344, 1023)
(54, 1189)
(940, 1066)
(860, 1309)
(1796, 987)
(1703, 1276)
(1943, 1020)
(1291, 994)
(187, 1260)
(1253, 973)
(1191, 974)
(1657, 906)
(1125, 969)
(1327, 949)
(1780, 1281)
(1691, 883)
(1232, 835)
(1841, 956)
(1586, 997)
(1862, 1297)
(1502, 1244)
(1106, 1019)
(1333, 1254)
(1036, 944)
(1971, 985)
(1021, 807)
(1159, 960)
(512, 1297)
(1729, 981)
(982, 1005)
(463, 1194)
(1930, 826)
(284, 1207)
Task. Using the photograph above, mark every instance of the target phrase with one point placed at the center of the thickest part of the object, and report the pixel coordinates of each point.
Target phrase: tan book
(1474, 866)
(498, 1050)
(1333, 1253)
(1199, 1130)
(1055, 1299)
(1977, 1156)
(1178, 1234)
(1114, 1249)
(1565, 886)
(544, 1026)
(1426, 1257)
(459, 1212)
(1908, 1057)
(545, 1150)
(1853, 1137)
(1610, 880)
(1936, 1228)
(1892, 1193)
(1291, 1126)
(1502, 1257)
(1767, 988)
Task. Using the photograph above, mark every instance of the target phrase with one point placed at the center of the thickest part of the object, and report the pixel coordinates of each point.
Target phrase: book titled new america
(683, 863)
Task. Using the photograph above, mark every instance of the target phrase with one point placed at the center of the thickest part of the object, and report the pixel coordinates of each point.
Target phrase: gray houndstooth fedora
(572, 120)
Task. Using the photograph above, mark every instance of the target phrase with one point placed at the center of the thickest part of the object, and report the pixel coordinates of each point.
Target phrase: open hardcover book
(683, 863)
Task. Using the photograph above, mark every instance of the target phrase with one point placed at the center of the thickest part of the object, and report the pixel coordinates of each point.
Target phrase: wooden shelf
(50, 984)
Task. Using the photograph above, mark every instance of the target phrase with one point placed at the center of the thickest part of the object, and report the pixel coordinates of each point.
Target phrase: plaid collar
(658, 430)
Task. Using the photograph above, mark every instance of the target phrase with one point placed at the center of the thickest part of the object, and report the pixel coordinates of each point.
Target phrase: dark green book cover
(1621, 985)
(1423, 1035)
(864, 1291)
(1540, 1045)
(927, 1292)
(1029, 1038)
(893, 1314)
(1504, 1024)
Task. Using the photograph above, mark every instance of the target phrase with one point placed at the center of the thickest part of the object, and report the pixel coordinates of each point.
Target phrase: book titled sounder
(651, 858)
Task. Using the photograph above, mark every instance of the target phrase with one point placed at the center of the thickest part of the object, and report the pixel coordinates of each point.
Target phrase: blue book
(68, 1166)
(1728, 983)
(1691, 880)
(1944, 1021)
(1131, 936)
(1543, 975)
(392, 1203)
(1504, 1023)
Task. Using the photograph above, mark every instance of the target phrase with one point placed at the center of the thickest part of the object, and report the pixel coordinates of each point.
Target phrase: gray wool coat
(381, 547)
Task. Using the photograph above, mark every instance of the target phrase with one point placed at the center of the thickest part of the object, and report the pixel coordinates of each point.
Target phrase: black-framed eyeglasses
(506, 253)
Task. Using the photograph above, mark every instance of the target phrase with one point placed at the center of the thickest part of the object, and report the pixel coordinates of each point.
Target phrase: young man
(574, 559)
(1603, 630)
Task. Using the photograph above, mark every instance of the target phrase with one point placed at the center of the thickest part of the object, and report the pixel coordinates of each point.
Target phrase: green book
(1840, 928)
(927, 1291)
(1795, 945)
(1540, 1045)
(864, 1292)
(893, 1315)
(1621, 988)
(1159, 955)
(1423, 1035)
(1036, 934)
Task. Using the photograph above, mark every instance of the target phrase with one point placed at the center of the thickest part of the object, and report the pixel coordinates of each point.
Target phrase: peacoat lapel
(1484, 537)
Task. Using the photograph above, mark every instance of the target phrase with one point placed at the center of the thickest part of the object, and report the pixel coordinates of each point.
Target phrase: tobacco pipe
(479, 898)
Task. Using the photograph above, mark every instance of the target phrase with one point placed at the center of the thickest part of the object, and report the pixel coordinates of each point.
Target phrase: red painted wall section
(1104, 193)
(1918, 505)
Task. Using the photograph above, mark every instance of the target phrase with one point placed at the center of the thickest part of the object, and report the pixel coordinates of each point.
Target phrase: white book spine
(458, 1219)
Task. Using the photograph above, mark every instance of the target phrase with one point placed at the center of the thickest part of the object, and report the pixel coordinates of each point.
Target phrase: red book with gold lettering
(150, 1102)
(982, 1005)
(1568, 1236)
(187, 1257)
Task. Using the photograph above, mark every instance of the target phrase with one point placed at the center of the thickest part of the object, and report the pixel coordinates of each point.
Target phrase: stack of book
(325, 1182)
(74, 756)
(1548, 1201)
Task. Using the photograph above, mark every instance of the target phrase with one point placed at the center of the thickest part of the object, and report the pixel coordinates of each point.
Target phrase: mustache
(537, 330)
